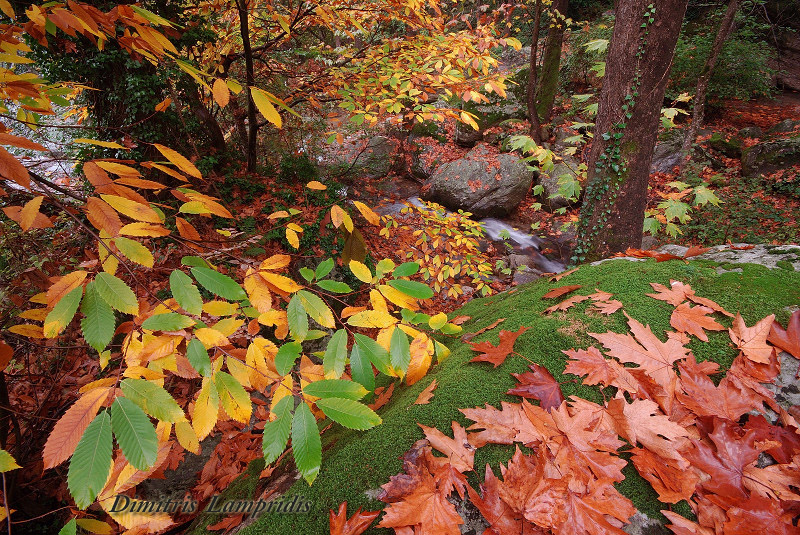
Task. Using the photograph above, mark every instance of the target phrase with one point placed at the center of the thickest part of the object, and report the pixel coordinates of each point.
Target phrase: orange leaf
(63, 286)
(222, 95)
(68, 430)
(179, 161)
(497, 354)
(12, 169)
(693, 320)
(425, 396)
(558, 292)
(102, 216)
(460, 453)
(752, 341)
(355, 525)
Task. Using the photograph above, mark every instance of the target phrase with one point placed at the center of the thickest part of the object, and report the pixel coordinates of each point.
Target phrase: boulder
(750, 131)
(480, 183)
(730, 147)
(784, 127)
(373, 158)
(551, 200)
(786, 62)
(667, 154)
(425, 153)
(770, 156)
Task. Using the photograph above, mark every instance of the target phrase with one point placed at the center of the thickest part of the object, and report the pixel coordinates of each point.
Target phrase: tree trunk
(252, 124)
(530, 93)
(638, 65)
(551, 61)
(724, 30)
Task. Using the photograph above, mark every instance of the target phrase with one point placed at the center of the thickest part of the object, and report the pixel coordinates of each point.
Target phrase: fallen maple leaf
(458, 320)
(460, 453)
(703, 398)
(607, 307)
(674, 295)
(382, 396)
(787, 339)
(559, 276)
(355, 525)
(227, 523)
(539, 384)
(670, 479)
(600, 370)
(469, 336)
(641, 421)
(497, 354)
(503, 520)
(693, 320)
(561, 290)
(425, 396)
(695, 250)
(566, 304)
(752, 341)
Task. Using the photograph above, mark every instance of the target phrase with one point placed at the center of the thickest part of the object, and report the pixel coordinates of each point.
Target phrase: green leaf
(399, 351)
(98, 322)
(134, 251)
(194, 261)
(307, 273)
(153, 399)
(703, 196)
(349, 413)
(169, 321)
(234, 398)
(116, 293)
(185, 292)
(286, 357)
(276, 432)
(651, 225)
(324, 268)
(335, 356)
(91, 462)
(198, 357)
(306, 444)
(335, 388)
(70, 528)
(297, 318)
(412, 288)
(334, 286)
(316, 308)
(219, 284)
(135, 433)
(361, 369)
(375, 353)
(7, 462)
(58, 318)
(406, 270)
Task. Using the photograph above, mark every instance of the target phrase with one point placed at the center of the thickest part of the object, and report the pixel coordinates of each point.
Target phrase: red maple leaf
(497, 354)
(539, 384)
(355, 525)
(787, 339)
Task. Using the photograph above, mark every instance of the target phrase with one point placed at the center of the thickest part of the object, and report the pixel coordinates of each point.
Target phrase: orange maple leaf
(497, 354)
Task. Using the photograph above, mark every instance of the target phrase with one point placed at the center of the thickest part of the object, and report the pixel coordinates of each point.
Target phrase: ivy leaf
(412, 288)
(219, 284)
(62, 314)
(335, 357)
(276, 432)
(169, 321)
(91, 462)
(306, 444)
(185, 292)
(98, 322)
(135, 433)
(349, 413)
(153, 399)
(116, 293)
(335, 388)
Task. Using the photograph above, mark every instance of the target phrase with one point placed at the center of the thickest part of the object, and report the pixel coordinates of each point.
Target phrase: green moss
(785, 264)
(355, 462)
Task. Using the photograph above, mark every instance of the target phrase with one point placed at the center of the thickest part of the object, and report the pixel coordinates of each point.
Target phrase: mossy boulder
(729, 146)
(771, 156)
(355, 464)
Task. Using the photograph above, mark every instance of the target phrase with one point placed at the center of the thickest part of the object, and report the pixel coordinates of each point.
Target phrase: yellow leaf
(367, 212)
(467, 118)
(377, 300)
(5, 6)
(295, 227)
(421, 355)
(265, 107)
(361, 271)
(63, 286)
(339, 217)
(257, 291)
(284, 389)
(179, 161)
(220, 308)
(372, 319)
(29, 212)
(279, 281)
(98, 527)
(398, 298)
(274, 262)
(132, 209)
(143, 230)
(206, 408)
(117, 168)
(239, 371)
(314, 184)
(106, 144)
(222, 94)
(211, 337)
(36, 314)
(278, 215)
(228, 326)
(187, 437)
(291, 237)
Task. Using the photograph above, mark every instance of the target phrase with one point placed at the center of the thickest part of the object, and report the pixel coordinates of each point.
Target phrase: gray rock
(764, 255)
(641, 524)
(785, 384)
(481, 185)
(783, 127)
(750, 131)
(551, 200)
(375, 159)
(730, 147)
(525, 276)
(424, 160)
(666, 155)
(770, 156)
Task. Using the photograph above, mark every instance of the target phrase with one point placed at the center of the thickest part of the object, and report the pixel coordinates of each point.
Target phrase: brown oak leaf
(425, 396)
